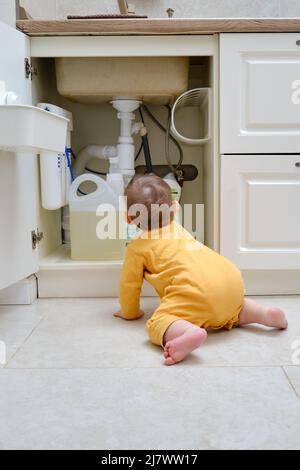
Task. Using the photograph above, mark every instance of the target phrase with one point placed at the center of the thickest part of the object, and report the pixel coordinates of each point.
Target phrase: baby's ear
(127, 218)
(175, 207)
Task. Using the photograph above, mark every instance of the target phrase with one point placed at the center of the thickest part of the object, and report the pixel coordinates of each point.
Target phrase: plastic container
(30, 129)
(176, 191)
(116, 183)
(174, 185)
(200, 98)
(98, 230)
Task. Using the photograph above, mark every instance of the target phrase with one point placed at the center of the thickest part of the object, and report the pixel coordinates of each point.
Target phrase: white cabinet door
(260, 93)
(260, 211)
(17, 173)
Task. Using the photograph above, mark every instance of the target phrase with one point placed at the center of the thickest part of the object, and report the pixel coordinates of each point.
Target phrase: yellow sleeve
(131, 284)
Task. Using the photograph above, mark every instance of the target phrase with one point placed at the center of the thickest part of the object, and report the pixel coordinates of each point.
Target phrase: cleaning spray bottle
(176, 191)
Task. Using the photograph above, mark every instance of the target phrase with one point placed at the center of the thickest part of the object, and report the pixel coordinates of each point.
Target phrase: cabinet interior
(97, 124)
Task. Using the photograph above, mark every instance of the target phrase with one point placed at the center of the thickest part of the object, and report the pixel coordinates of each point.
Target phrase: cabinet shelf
(61, 259)
(61, 277)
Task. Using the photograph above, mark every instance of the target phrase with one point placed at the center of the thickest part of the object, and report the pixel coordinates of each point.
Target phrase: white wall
(8, 12)
(49, 9)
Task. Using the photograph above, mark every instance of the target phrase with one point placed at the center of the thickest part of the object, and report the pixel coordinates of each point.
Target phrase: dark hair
(149, 199)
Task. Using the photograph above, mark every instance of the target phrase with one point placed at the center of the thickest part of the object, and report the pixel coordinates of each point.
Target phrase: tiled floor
(77, 378)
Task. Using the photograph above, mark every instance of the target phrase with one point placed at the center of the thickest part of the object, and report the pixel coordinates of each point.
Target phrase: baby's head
(149, 202)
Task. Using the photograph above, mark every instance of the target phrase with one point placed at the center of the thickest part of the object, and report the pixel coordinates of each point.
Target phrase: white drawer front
(260, 211)
(260, 93)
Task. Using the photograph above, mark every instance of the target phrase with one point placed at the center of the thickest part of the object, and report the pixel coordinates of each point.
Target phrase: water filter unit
(55, 173)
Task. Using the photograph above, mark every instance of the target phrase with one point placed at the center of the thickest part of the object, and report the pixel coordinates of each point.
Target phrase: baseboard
(101, 283)
(83, 283)
(279, 282)
(22, 293)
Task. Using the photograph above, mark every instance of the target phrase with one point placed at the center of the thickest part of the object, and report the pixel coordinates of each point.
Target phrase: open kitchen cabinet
(96, 123)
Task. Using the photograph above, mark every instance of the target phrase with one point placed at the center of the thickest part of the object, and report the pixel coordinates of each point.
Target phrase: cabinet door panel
(17, 173)
(260, 211)
(260, 93)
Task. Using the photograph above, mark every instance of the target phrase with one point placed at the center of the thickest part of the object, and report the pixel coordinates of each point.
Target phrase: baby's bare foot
(276, 319)
(177, 349)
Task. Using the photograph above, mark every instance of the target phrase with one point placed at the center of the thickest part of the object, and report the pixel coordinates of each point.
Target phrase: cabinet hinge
(29, 69)
(36, 237)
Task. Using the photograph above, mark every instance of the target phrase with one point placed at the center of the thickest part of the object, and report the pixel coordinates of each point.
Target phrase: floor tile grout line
(24, 342)
(290, 382)
(140, 367)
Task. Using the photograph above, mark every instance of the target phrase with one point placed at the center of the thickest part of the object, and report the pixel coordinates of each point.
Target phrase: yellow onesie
(193, 282)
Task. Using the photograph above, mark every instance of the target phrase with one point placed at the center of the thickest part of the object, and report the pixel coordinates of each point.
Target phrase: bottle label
(174, 193)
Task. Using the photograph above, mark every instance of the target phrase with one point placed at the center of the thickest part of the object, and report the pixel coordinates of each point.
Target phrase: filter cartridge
(55, 177)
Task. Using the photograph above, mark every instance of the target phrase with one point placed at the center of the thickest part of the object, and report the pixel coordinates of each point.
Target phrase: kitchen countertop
(158, 26)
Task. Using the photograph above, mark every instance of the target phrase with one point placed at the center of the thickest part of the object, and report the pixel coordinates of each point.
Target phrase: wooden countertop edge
(158, 26)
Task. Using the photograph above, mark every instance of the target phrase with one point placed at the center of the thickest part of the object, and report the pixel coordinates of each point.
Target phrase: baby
(198, 288)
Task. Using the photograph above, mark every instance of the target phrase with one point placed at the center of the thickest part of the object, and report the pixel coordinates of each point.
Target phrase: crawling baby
(198, 288)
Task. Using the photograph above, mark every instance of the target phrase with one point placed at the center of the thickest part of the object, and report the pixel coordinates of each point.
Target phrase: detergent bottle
(176, 191)
(98, 231)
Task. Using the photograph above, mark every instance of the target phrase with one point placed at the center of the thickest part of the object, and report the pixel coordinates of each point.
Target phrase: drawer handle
(298, 42)
(297, 164)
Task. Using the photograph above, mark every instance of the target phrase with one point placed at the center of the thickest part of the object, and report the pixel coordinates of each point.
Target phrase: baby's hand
(119, 314)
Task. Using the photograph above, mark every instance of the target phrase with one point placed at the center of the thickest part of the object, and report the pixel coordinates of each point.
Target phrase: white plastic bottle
(91, 238)
(176, 193)
(174, 185)
(115, 179)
